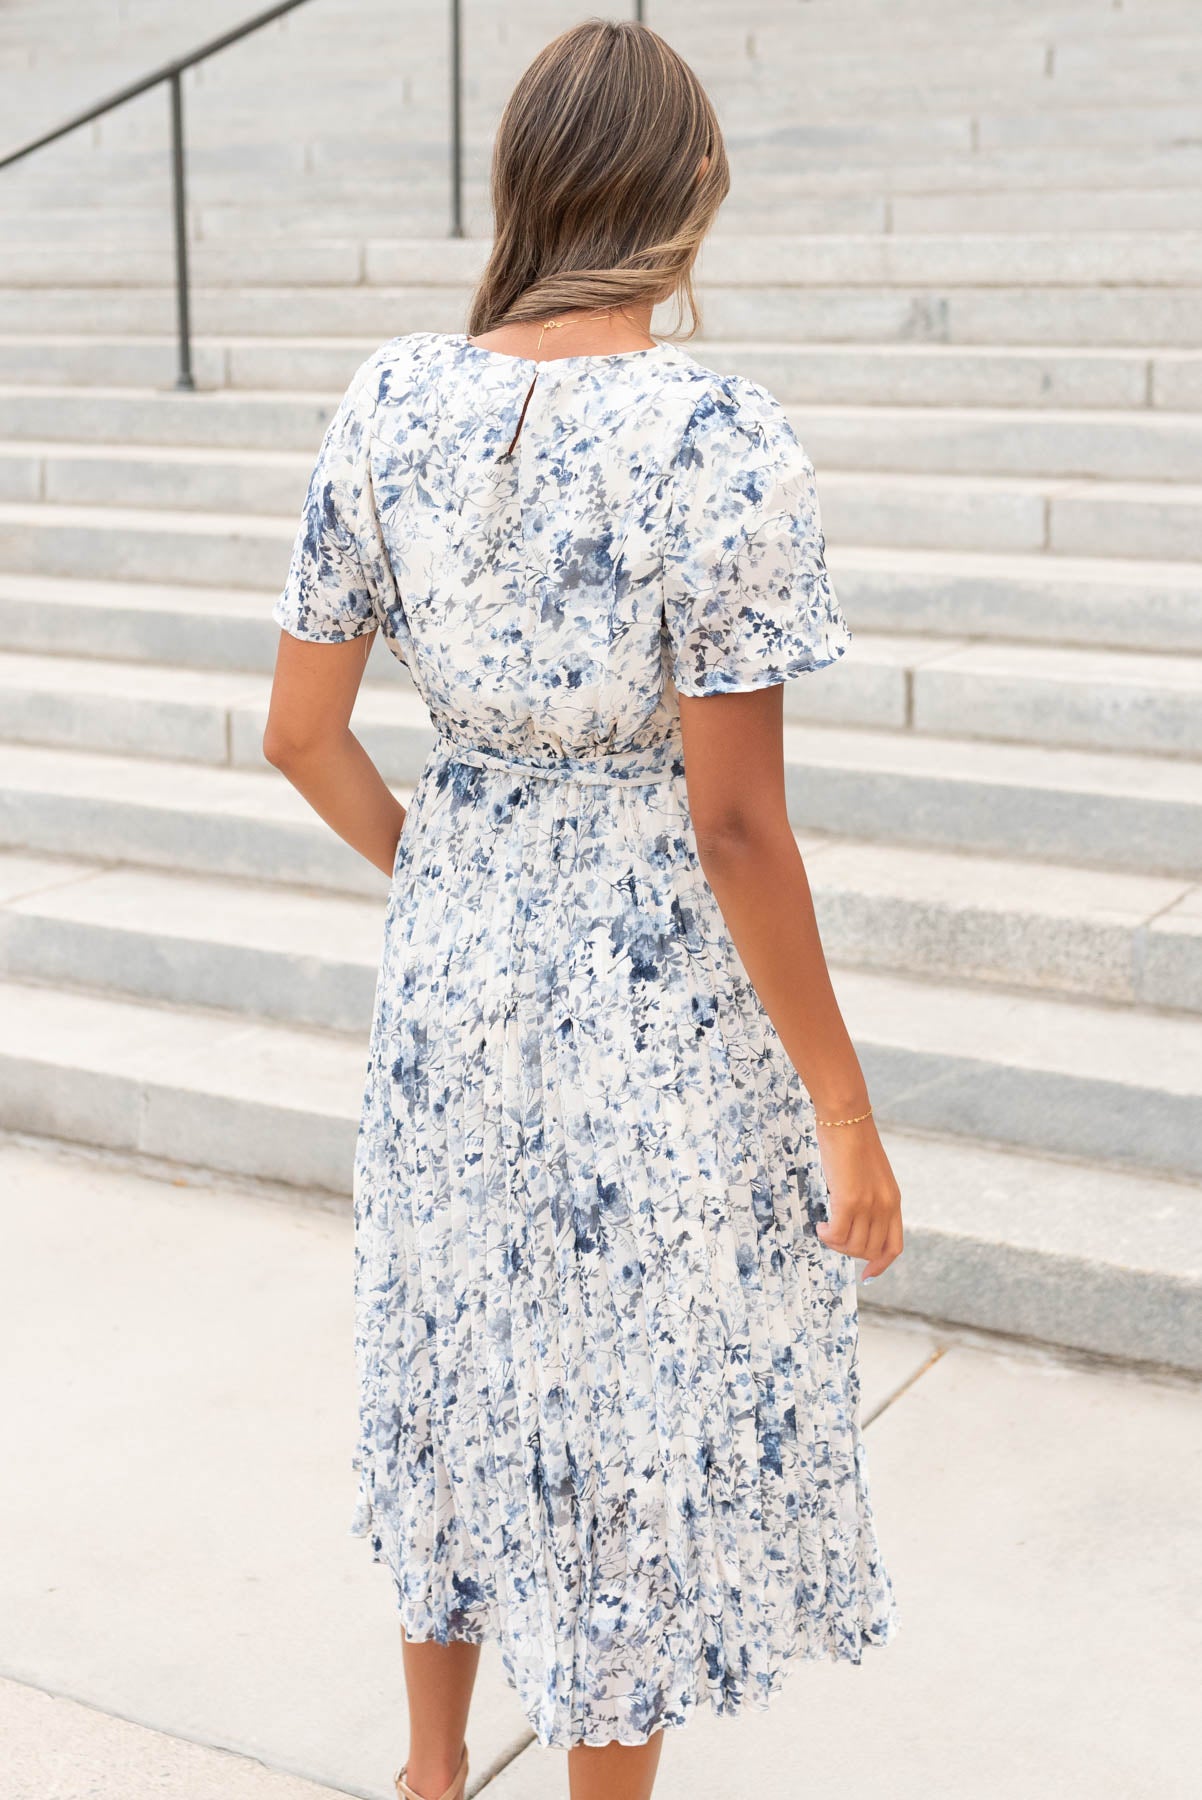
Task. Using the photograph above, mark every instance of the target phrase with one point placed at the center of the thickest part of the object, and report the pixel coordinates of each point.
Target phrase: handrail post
(184, 378)
(456, 58)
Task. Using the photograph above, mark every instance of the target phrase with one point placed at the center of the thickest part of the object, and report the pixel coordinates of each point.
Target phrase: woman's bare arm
(308, 738)
(734, 768)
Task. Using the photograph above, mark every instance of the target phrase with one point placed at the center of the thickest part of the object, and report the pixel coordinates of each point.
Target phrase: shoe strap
(405, 1792)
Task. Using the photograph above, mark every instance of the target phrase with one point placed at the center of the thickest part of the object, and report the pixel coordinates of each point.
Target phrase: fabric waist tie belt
(657, 762)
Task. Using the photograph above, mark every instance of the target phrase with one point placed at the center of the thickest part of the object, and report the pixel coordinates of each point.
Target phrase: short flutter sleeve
(748, 601)
(339, 582)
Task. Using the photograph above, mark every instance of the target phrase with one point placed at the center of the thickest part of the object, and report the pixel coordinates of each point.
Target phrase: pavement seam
(903, 1387)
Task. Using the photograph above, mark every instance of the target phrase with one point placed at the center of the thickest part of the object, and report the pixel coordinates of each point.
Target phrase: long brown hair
(596, 195)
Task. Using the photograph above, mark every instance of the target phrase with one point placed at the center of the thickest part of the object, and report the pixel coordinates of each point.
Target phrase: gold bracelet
(854, 1121)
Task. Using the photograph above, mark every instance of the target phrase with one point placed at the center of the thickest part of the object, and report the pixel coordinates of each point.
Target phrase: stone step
(1118, 811)
(222, 420)
(872, 259)
(191, 478)
(369, 211)
(1008, 168)
(254, 947)
(198, 938)
(143, 709)
(1042, 316)
(1087, 37)
(1007, 513)
(211, 1089)
(1092, 192)
(980, 130)
(192, 627)
(220, 217)
(1053, 1076)
(68, 359)
(1090, 601)
(998, 375)
(125, 223)
(953, 259)
(1056, 67)
(1056, 1076)
(1062, 1252)
(1017, 211)
(1089, 443)
(1098, 443)
(1152, 208)
(996, 1240)
(247, 262)
(1136, 813)
(749, 70)
(1091, 699)
(1077, 125)
(146, 544)
(943, 914)
(193, 817)
(422, 211)
(853, 126)
(1088, 699)
(941, 375)
(1038, 314)
(1160, 521)
(87, 176)
(824, 259)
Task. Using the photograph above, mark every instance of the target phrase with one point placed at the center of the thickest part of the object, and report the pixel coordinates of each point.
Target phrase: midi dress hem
(881, 1631)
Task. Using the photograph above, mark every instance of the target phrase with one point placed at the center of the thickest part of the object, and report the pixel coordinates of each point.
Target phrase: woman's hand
(865, 1216)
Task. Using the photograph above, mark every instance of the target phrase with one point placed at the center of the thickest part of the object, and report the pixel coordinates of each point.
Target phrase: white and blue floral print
(608, 1384)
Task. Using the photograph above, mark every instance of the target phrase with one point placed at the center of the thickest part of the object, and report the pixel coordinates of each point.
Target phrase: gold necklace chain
(549, 325)
(604, 312)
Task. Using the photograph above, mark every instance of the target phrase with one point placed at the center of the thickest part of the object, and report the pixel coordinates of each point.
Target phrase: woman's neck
(578, 332)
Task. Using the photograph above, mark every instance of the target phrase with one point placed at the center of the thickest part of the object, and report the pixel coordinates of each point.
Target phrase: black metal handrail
(172, 73)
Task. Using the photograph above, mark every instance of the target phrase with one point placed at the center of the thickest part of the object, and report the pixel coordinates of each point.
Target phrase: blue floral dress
(608, 1387)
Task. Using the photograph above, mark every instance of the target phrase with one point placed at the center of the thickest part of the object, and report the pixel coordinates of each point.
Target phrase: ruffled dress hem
(881, 1628)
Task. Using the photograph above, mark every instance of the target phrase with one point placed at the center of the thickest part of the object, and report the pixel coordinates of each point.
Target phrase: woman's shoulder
(385, 370)
(728, 406)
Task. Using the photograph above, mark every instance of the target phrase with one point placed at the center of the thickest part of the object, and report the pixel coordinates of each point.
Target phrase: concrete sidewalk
(185, 1615)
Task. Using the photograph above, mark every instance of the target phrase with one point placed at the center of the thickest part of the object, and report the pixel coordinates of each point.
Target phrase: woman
(606, 1320)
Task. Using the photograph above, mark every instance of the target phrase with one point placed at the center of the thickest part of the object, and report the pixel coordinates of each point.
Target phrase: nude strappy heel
(454, 1792)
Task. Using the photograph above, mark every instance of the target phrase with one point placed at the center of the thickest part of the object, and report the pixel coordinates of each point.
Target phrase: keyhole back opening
(522, 415)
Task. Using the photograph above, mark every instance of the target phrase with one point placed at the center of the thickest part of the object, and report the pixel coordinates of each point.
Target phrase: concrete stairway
(976, 282)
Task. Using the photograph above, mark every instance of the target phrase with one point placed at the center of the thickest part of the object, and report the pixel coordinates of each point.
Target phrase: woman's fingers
(863, 1230)
(877, 1264)
(848, 1224)
(857, 1237)
(878, 1236)
(844, 1230)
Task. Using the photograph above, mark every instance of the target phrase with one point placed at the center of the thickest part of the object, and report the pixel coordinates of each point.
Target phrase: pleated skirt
(608, 1395)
